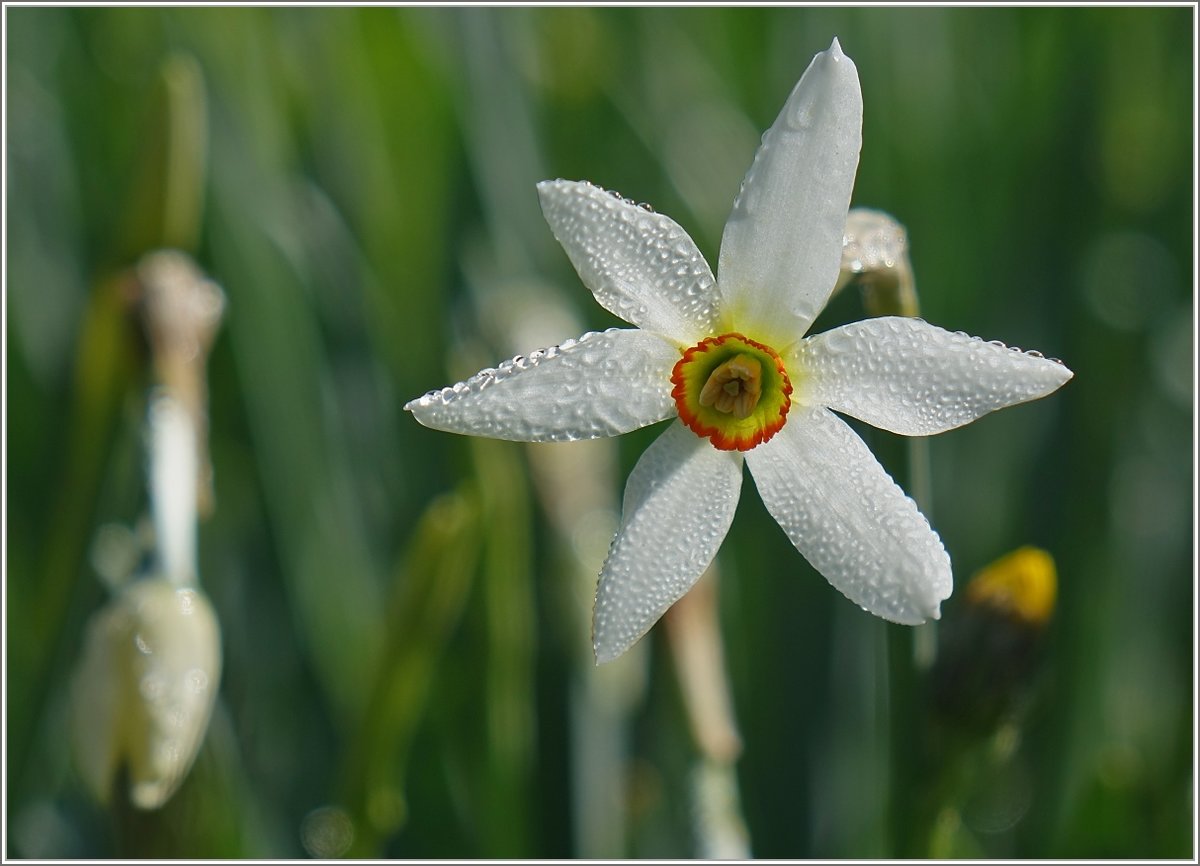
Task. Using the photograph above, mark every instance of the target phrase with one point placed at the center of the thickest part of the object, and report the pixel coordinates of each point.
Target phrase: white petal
(640, 265)
(782, 246)
(913, 378)
(849, 519)
(679, 502)
(599, 385)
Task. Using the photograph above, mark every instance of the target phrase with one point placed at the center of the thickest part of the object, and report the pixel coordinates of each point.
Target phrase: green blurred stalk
(167, 205)
(429, 590)
(510, 615)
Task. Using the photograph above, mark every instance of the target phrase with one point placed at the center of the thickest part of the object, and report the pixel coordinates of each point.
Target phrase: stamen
(734, 387)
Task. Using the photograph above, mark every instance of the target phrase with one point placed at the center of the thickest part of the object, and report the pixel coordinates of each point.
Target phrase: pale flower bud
(872, 241)
(875, 255)
(144, 689)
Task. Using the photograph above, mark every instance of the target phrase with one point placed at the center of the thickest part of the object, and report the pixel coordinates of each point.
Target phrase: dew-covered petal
(640, 265)
(679, 502)
(849, 519)
(914, 378)
(602, 384)
(782, 247)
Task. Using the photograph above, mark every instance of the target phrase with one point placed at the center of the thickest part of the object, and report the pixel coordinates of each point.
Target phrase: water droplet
(187, 601)
(328, 832)
(151, 687)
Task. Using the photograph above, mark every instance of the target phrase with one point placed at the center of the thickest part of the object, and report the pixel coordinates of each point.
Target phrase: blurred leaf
(104, 373)
(258, 242)
(326, 561)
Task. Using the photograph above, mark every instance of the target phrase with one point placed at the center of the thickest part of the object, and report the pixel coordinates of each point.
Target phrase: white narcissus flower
(727, 358)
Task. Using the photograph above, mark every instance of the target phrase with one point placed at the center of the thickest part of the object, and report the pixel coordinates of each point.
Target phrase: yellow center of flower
(732, 390)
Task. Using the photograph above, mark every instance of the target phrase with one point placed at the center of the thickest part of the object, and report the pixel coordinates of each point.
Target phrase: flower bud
(1022, 586)
(144, 689)
(875, 256)
(989, 655)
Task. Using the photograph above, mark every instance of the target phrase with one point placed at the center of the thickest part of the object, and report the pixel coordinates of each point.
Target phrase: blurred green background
(405, 612)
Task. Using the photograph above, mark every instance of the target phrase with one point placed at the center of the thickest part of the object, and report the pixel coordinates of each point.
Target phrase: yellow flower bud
(989, 655)
(1022, 584)
(144, 690)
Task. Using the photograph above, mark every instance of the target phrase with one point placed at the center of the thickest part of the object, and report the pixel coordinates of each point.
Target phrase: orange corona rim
(732, 390)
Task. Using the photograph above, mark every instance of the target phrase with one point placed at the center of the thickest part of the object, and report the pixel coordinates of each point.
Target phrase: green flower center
(732, 390)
